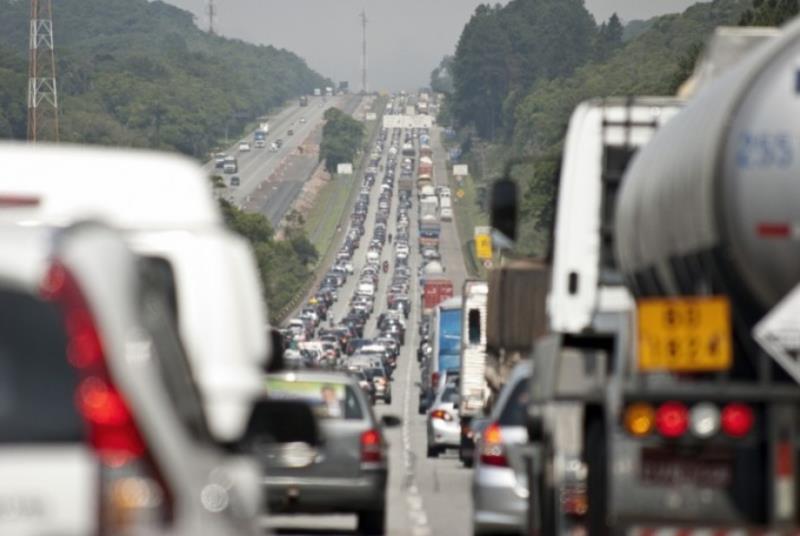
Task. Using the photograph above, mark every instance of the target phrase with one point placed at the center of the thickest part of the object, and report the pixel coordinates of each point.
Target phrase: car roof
(125, 188)
(23, 255)
(312, 375)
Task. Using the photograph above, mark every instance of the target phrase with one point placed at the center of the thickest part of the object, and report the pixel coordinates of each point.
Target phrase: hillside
(139, 73)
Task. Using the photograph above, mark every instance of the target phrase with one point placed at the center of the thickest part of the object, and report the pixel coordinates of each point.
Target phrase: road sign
(461, 170)
(460, 193)
(487, 264)
(371, 116)
(344, 169)
(483, 243)
(691, 334)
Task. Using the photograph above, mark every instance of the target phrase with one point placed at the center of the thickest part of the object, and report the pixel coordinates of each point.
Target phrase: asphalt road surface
(424, 496)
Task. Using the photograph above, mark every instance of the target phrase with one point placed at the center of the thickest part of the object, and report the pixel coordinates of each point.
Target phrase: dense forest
(520, 69)
(140, 73)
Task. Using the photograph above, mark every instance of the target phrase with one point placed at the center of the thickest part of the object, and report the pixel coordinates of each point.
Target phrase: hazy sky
(406, 39)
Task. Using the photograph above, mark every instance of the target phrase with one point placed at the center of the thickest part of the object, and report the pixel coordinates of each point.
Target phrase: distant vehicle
(303, 100)
(264, 126)
(235, 180)
(290, 132)
(303, 120)
(446, 214)
(260, 139)
(279, 143)
(273, 147)
(329, 91)
(446, 355)
(231, 165)
(317, 92)
(219, 160)
(345, 472)
(244, 147)
(473, 389)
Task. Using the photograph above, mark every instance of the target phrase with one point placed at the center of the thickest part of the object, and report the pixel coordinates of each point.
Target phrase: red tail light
(441, 414)
(672, 419)
(371, 447)
(113, 432)
(434, 380)
(737, 419)
(492, 450)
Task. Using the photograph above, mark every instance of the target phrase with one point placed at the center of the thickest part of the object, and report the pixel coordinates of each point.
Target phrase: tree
(342, 137)
(770, 12)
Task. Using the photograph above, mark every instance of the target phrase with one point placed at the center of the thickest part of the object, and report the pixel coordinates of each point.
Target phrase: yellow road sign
(460, 193)
(684, 334)
(483, 246)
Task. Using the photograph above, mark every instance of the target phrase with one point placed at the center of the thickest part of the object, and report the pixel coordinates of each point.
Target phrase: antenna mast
(42, 92)
(212, 13)
(363, 51)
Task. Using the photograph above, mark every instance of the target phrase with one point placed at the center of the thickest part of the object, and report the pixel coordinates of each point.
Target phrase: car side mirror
(391, 421)
(276, 363)
(504, 207)
(282, 421)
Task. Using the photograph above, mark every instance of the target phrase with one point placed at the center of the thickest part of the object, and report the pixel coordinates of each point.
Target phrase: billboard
(461, 170)
(344, 169)
(407, 121)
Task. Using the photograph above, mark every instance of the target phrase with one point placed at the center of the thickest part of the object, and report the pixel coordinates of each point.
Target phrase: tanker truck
(685, 419)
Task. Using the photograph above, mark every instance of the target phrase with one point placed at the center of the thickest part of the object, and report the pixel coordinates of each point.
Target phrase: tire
(388, 400)
(433, 452)
(371, 522)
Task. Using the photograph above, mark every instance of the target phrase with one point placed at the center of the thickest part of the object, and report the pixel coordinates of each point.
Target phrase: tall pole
(42, 92)
(212, 12)
(363, 51)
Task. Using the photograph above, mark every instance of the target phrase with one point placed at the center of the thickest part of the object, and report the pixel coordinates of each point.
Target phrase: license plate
(667, 469)
(684, 334)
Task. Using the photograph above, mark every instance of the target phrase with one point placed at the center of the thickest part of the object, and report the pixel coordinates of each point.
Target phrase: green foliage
(140, 73)
(442, 76)
(770, 12)
(342, 137)
(284, 265)
(503, 51)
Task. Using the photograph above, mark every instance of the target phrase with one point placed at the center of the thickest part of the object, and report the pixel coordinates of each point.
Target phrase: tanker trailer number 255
(764, 151)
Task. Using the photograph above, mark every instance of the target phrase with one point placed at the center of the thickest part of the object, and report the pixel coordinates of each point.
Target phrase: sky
(405, 39)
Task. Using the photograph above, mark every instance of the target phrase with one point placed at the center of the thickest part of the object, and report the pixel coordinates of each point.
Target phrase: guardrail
(326, 259)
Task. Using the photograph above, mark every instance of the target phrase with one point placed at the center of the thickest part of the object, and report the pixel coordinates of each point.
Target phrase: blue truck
(446, 357)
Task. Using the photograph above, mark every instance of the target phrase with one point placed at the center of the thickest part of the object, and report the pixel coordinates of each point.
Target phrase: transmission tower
(212, 12)
(42, 92)
(363, 51)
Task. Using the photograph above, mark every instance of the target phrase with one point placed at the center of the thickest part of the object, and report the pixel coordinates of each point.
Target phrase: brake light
(737, 419)
(371, 447)
(492, 450)
(441, 414)
(133, 490)
(672, 419)
(435, 379)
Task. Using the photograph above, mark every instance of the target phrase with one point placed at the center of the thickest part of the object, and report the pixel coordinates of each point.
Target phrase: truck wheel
(433, 452)
(595, 450)
(371, 522)
(389, 400)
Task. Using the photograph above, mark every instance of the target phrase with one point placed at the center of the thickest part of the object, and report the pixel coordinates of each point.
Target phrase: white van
(163, 204)
(366, 289)
(446, 214)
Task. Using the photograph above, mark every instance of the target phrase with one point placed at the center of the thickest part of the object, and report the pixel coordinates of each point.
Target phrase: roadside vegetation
(519, 71)
(285, 265)
(342, 137)
(142, 74)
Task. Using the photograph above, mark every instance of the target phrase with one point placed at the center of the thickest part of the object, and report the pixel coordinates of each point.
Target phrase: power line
(42, 87)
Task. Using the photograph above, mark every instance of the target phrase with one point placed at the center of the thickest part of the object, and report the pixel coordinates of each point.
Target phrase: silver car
(499, 481)
(102, 429)
(347, 470)
(443, 423)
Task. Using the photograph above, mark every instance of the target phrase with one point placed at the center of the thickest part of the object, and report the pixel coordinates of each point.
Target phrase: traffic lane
(258, 164)
(275, 199)
(449, 241)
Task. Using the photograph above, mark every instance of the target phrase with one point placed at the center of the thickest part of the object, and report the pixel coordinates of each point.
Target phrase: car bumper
(319, 494)
(497, 504)
(444, 434)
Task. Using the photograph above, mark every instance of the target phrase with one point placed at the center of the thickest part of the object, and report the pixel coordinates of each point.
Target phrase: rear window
(515, 410)
(37, 384)
(450, 395)
(329, 400)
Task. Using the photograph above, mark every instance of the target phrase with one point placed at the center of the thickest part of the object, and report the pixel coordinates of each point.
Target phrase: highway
(270, 181)
(424, 496)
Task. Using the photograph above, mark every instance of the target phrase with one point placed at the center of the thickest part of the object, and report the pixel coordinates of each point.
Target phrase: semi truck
(303, 100)
(473, 389)
(260, 139)
(685, 405)
(446, 324)
(435, 290)
(429, 230)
